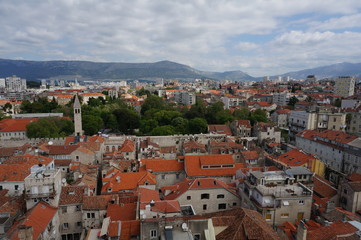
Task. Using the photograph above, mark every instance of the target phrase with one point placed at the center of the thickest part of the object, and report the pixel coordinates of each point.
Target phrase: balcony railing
(50, 194)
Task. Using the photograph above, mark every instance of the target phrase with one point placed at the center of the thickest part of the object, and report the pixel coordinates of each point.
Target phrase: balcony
(50, 194)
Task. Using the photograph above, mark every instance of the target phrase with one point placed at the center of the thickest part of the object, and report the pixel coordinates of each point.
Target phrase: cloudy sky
(260, 37)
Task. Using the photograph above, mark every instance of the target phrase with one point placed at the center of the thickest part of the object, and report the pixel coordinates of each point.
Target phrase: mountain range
(85, 70)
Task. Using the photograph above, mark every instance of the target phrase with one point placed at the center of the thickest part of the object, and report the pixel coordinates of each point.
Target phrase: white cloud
(208, 35)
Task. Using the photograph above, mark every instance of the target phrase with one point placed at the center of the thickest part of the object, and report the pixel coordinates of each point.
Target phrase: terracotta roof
(334, 231)
(165, 206)
(283, 111)
(355, 186)
(123, 212)
(323, 188)
(127, 181)
(147, 195)
(337, 136)
(128, 146)
(61, 149)
(263, 104)
(246, 123)
(96, 202)
(354, 177)
(242, 223)
(161, 165)
(11, 151)
(92, 94)
(191, 145)
(38, 217)
(193, 165)
(71, 195)
(196, 184)
(295, 158)
(15, 125)
(220, 129)
(249, 155)
(170, 149)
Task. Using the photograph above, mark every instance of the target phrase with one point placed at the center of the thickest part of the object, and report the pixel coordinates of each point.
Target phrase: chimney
(25, 232)
(330, 206)
(301, 231)
(118, 179)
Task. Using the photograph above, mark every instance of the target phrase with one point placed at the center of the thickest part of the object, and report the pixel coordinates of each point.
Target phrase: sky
(259, 37)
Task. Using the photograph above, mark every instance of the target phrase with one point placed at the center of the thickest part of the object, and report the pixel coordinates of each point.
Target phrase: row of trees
(156, 117)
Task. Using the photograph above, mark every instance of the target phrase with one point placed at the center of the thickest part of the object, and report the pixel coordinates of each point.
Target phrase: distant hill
(36, 70)
(330, 71)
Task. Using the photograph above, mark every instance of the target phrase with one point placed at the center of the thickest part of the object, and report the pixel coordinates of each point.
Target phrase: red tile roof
(127, 181)
(295, 158)
(334, 231)
(193, 165)
(323, 188)
(250, 155)
(71, 195)
(38, 217)
(192, 145)
(245, 123)
(15, 125)
(220, 129)
(337, 136)
(128, 146)
(122, 212)
(161, 165)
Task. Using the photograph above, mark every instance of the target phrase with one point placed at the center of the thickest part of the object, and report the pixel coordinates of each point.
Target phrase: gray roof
(298, 171)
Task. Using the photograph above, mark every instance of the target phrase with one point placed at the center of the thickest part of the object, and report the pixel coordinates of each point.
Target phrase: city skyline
(260, 38)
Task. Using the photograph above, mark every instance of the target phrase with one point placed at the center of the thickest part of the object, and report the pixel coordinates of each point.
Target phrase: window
(268, 217)
(301, 202)
(204, 206)
(345, 191)
(77, 208)
(189, 197)
(88, 215)
(93, 215)
(64, 209)
(163, 176)
(1, 187)
(16, 187)
(77, 157)
(234, 204)
(205, 196)
(153, 233)
(177, 175)
(197, 236)
(284, 215)
(222, 206)
(220, 196)
(78, 224)
(65, 225)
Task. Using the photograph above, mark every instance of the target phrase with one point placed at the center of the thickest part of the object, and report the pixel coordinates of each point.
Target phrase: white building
(345, 86)
(185, 98)
(232, 101)
(15, 84)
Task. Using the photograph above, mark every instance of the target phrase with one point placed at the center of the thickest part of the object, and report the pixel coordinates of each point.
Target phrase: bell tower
(78, 129)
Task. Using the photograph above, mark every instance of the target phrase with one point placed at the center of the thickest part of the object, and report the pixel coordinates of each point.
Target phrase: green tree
(196, 110)
(293, 100)
(163, 131)
(258, 116)
(152, 101)
(92, 124)
(180, 124)
(147, 125)
(50, 128)
(164, 117)
(337, 102)
(309, 99)
(7, 107)
(198, 125)
(242, 114)
(127, 120)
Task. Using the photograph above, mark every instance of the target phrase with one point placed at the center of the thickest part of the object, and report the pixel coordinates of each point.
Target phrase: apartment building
(345, 86)
(185, 98)
(277, 195)
(230, 102)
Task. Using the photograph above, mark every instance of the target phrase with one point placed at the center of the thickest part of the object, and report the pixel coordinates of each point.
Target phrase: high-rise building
(185, 98)
(15, 84)
(345, 86)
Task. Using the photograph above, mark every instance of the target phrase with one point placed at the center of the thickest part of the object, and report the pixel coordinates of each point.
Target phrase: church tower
(78, 129)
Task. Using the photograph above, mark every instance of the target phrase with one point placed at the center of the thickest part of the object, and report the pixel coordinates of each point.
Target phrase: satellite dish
(80, 176)
(144, 216)
(36, 150)
(63, 180)
(50, 143)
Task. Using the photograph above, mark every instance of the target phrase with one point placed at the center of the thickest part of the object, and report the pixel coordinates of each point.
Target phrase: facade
(185, 98)
(204, 195)
(281, 118)
(267, 131)
(241, 128)
(70, 212)
(350, 196)
(355, 122)
(277, 196)
(15, 84)
(345, 86)
(281, 99)
(230, 102)
(42, 184)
